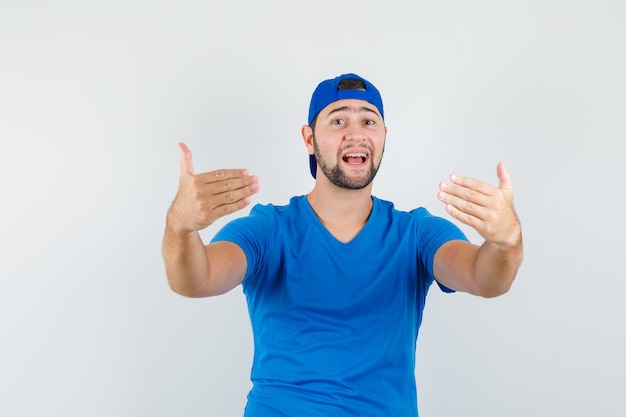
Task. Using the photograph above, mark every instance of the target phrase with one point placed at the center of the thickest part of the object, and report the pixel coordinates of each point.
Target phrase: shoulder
(296, 204)
(387, 208)
(264, 219)
(419, 220)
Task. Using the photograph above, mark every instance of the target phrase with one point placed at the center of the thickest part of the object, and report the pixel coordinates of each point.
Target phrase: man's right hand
(203, 198)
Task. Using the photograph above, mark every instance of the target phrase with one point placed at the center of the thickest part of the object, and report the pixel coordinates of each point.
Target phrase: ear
(307, 136)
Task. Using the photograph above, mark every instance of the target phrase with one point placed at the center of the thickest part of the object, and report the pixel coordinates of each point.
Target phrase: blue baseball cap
(327, 92)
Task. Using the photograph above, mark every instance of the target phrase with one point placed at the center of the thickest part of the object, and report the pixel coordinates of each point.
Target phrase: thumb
(504, 177)
(186, 163)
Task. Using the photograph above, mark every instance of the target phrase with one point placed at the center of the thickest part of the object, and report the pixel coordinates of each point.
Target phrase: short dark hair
(347, 84)
(351, 84)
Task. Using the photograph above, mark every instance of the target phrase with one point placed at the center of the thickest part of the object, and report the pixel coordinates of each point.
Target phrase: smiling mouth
(355, 158)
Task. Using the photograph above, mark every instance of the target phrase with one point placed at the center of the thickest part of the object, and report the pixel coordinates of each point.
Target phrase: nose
(354, 133)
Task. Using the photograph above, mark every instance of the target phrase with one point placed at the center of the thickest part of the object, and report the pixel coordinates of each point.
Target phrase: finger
(225, 178)
(463, 216)
(186, 162)
(230, 201)
(467, 192)
(470, 184)
(230, 191)
(242, 184)
(226, 209)
(504, 177)
(463, 205)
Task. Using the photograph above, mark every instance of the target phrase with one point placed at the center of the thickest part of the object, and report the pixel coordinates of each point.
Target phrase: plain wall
(94, 97)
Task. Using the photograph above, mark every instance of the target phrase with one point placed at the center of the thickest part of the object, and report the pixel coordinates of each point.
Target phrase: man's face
(349, 142)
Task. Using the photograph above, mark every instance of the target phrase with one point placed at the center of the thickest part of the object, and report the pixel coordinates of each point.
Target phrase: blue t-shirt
(335, 324)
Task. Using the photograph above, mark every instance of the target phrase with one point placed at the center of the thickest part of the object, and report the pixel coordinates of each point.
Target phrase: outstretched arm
(487, 270)
(193, 269)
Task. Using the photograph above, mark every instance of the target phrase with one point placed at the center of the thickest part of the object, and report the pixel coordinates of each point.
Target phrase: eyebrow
(352, 109)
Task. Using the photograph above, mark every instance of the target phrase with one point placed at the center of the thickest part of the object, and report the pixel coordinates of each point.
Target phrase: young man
(336, 280)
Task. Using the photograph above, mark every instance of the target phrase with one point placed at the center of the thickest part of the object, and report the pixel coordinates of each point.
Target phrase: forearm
(186, 262)
(495, 267)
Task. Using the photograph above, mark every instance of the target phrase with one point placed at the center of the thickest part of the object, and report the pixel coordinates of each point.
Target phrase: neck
(342, 211)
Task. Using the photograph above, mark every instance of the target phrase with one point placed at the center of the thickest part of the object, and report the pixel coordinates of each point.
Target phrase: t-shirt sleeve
(434, 231)
(250, 234)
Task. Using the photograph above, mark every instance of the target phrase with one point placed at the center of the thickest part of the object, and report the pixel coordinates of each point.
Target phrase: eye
(369, 122)
(338, 122)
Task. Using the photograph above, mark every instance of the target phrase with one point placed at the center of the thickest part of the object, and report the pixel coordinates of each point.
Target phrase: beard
(339, 177)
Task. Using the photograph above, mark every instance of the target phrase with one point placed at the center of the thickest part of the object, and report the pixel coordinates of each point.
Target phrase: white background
(94, 97)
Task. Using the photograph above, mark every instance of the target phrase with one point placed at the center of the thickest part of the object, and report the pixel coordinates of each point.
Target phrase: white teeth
(356, 155)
